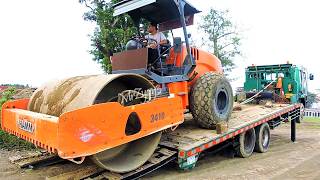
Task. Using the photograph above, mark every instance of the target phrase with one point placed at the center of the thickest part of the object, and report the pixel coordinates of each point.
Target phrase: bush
(7, 95)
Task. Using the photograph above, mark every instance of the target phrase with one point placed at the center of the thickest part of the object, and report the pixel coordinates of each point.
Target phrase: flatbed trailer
(187, 142)
(190, 141)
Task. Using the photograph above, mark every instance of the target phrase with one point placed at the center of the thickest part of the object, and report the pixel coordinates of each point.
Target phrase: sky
(41, 40)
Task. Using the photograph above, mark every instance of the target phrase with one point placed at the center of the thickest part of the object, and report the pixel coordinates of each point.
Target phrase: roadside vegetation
(311, 123)
(311, 119)
(8, 141)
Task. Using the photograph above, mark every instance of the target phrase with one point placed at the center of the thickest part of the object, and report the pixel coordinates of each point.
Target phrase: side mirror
(189, 36)
(311, 77)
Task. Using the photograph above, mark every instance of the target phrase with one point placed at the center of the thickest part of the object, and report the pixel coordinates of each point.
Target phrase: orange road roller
(117, 119)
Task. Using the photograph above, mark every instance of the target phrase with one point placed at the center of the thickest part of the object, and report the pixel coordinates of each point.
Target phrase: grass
(311, 123)
(8, 141)
(311, 119)
(11, 142)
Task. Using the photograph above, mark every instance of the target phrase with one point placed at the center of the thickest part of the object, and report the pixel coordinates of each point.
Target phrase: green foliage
(8, 141)
(7, 95)
(312, 98)
(221, 36)
(111, 33)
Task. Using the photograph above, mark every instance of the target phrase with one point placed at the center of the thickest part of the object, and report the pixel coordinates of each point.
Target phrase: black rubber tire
(262, 138)
(247, 141)
(211, 100)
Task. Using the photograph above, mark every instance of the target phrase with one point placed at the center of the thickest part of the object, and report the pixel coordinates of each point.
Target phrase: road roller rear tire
(211, 100)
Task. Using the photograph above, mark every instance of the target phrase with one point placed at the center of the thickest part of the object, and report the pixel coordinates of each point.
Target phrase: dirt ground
(284, 160)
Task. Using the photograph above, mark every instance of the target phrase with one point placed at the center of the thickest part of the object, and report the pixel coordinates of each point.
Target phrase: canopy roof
(158, 11)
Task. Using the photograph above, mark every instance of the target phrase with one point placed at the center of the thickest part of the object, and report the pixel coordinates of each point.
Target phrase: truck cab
(281, 82)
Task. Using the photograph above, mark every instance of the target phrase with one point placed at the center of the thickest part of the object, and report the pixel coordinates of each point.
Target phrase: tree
(111, 33)
(312, 99)
(222, 37)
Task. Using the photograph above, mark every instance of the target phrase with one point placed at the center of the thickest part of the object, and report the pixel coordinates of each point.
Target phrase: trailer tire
(262, 138)
(211, 100)
(247, 141)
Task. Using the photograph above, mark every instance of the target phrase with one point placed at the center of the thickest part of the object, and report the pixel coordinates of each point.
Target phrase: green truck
(281, 82)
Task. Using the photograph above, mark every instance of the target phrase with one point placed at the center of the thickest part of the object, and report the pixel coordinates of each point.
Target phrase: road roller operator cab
(167, 63)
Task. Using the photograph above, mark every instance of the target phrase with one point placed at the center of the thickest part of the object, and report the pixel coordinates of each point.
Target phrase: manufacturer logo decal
(25, 125)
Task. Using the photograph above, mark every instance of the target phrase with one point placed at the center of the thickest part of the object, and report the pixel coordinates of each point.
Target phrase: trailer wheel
(263, 138)
(247, 141)
(211, 100)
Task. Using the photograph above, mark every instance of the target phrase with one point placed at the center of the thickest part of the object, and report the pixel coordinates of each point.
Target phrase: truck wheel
(211, 100)
(263, 138)
(247, 141)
